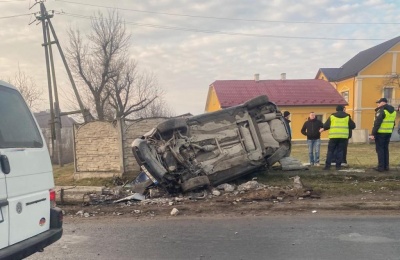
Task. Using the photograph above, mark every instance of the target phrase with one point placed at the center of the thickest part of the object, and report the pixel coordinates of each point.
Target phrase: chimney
(256, 77)
(283, 76)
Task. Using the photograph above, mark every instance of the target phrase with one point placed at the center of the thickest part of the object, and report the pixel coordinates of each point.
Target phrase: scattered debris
(248, 192)
(135, 196)
(297, 184)
(226, 187)
(197, 195)
(250, 185)
(174, 212)
(314, 211)
(216, 192)
(352, 170)
(291, 164)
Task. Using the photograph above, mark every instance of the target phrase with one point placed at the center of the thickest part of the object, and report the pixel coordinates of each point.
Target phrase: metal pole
(56, 103)
(43, 15)
(85, 114)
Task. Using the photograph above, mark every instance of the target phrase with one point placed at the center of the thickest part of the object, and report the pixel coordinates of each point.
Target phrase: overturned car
(183, 154)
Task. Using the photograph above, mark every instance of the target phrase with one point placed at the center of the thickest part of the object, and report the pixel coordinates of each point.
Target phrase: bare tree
(28, 88)
(115, 87)
(392, 79)
(157, 108)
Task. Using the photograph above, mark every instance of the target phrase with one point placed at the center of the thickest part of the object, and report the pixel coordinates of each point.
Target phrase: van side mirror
(5, 164)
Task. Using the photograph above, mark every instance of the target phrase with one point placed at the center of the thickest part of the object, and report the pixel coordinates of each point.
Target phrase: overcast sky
(189, 44)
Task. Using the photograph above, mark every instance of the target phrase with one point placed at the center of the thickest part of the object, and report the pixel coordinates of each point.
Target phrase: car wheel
(277, 155)
(255, 102)
(195, 183)
(171, 124)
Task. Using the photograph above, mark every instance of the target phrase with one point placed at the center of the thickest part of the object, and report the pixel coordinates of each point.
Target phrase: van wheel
(255, 102)
(195, 183)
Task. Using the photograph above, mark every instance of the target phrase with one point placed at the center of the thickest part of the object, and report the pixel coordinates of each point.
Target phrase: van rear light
(52, 198)
(56, 218)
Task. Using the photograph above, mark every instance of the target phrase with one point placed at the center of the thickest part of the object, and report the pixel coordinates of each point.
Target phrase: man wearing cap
(385, 116)
(338, 124)
(286, 115)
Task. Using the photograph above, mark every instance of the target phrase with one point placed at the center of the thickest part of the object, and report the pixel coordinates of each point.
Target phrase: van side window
(17, 126)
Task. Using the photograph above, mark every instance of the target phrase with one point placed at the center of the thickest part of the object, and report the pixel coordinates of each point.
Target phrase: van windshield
(17, 126)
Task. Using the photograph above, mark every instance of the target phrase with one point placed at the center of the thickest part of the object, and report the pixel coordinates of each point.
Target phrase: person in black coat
(384, 123)
(286, 115)
(311, 129)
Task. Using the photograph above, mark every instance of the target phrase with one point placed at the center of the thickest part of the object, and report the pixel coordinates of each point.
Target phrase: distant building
(43, 119)
(299, 96)
(365, 78)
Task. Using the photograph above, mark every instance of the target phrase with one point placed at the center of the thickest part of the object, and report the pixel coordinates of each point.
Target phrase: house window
(388, 93)
(319, 117)
(345, 95)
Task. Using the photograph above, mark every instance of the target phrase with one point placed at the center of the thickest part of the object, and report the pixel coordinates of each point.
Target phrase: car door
(30, 172)
(4, 236)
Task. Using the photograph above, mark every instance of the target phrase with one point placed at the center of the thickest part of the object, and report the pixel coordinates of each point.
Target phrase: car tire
(281, 152)
(255, 102)
(171, 124)
(195, 183)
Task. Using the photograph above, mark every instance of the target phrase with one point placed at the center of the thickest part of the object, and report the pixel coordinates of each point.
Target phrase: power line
(225, 33)
(229, 18)
(12, 16)
(7, 1)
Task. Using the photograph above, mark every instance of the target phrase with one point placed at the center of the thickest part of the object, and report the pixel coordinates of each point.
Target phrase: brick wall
(97, 147)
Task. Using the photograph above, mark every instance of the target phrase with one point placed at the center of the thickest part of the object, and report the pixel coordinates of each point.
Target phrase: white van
(29, 220)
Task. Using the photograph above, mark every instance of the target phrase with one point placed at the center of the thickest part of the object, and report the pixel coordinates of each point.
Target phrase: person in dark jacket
(311, 129)
(384, 122)
(286, 115)
(339, 125)
(344, 162)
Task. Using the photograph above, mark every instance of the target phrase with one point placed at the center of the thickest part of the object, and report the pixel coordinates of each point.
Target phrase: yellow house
(365, 78)
(299, 97)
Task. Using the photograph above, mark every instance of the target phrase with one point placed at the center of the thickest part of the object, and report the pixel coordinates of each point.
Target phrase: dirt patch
(249, 203)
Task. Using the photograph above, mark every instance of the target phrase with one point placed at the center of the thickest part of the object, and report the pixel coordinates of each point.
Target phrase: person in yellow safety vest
(384, 122)
(338, 124)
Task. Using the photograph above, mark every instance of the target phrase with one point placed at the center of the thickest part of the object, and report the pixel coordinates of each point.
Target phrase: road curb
(75, 194)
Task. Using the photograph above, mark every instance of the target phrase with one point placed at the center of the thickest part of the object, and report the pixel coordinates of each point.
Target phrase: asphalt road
(269, 237)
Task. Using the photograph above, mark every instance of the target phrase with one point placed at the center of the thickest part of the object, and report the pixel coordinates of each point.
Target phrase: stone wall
(104, 149)
(97, 149)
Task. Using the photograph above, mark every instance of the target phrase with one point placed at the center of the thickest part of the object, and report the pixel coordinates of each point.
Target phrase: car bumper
(32, 245)
(147, 161)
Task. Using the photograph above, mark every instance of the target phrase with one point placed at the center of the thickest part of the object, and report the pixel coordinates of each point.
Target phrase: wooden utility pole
(55, 112)
(43, 16)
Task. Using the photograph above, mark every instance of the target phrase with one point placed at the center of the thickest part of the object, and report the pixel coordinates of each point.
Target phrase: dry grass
(358, 155)
(64, 176)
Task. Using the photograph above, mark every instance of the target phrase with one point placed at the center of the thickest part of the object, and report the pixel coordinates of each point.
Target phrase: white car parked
(29, 220)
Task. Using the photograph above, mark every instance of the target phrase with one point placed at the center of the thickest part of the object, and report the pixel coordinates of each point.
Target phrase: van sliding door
(30, 172)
